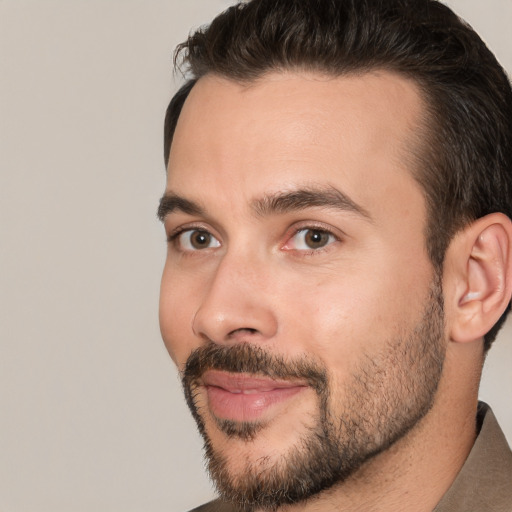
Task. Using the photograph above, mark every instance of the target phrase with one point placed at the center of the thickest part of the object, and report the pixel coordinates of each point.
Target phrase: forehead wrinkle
(307, 197)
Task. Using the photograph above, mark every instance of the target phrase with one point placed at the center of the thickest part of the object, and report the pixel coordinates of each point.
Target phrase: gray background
(92, 416)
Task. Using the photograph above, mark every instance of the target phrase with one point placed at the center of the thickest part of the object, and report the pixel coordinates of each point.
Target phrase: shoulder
(215, 506)
(485, 481)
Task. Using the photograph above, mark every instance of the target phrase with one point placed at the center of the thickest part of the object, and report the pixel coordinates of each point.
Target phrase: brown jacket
(484, 483)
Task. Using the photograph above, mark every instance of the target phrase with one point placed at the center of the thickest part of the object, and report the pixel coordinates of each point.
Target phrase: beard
(387, 394)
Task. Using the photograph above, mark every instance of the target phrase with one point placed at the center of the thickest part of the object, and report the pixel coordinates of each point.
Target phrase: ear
(479, 270)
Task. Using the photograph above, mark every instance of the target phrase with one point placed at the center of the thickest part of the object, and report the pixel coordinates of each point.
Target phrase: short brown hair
(465, 165)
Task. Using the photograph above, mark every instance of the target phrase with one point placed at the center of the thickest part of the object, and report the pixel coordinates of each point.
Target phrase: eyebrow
(170, 203)
(309, 197)
(279, 203)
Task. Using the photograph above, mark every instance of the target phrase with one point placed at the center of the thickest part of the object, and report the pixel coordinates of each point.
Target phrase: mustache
(248, 358)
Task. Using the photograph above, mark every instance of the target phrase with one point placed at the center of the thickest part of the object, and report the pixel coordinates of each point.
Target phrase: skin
(258, 282)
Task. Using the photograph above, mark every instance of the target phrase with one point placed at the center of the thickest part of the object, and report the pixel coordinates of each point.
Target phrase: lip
(242, 397)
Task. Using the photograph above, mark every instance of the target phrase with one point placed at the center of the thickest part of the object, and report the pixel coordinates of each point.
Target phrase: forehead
(287, 130)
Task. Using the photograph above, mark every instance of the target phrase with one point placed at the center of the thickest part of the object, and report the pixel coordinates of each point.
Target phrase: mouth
(244, 398)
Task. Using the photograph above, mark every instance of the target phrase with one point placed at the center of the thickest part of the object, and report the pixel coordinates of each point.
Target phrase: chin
(269, 438)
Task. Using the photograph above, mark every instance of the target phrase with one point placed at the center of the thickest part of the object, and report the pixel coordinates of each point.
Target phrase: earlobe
(484, 263)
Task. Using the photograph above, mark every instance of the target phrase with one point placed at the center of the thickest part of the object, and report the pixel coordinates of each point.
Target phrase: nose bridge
(237, 302)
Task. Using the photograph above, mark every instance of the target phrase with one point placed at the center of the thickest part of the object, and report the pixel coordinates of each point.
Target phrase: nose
(237, 305)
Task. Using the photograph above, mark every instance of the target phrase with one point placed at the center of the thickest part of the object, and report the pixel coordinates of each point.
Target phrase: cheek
(353, 311)
(335, 324)
(176, 315)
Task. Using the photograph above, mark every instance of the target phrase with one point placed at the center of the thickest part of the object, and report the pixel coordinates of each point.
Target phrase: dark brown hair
(465, 162)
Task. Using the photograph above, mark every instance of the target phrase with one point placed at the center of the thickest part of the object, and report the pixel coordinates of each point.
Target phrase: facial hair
(387, 395)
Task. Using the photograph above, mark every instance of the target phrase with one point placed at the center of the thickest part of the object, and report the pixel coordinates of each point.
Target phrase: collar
(485, 480)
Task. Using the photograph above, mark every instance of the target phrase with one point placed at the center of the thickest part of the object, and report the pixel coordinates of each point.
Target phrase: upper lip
(245, 383)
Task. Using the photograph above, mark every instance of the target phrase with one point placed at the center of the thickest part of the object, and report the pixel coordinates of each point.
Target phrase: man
(337, 207)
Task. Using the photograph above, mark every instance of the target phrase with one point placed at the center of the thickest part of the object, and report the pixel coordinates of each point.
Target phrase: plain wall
(92, 415)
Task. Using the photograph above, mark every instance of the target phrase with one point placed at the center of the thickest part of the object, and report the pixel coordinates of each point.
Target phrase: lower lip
(247, 406)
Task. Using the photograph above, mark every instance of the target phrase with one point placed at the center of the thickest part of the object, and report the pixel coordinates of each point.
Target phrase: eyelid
(189, 226)
(174, 234)
(314, 226)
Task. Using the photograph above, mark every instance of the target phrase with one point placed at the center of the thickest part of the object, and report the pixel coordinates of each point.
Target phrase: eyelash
(176, 233)
(174, 236)
(311, 227)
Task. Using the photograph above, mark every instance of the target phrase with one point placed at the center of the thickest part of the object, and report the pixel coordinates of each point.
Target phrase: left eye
(309, 238)
(196, 240)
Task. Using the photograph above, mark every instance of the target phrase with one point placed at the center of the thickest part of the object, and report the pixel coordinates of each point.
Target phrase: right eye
(195, 240)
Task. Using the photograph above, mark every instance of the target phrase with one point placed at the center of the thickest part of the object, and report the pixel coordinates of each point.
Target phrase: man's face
(297, 299)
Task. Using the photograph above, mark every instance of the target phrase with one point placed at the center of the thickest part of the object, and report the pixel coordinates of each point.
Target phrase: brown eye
(200, 239)
(310, 239)
(316, 239)
(196, 240)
